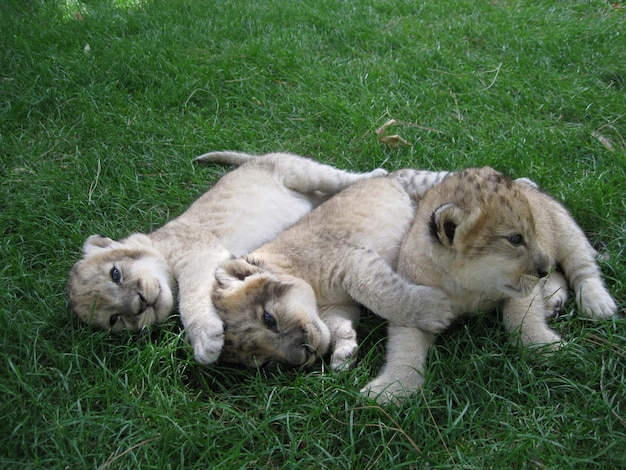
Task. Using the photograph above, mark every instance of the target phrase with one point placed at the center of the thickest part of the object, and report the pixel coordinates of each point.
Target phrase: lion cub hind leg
(403, 372)
(525, 320)
(307, 176)
(371, 281)
(300, 174)
(340, 320)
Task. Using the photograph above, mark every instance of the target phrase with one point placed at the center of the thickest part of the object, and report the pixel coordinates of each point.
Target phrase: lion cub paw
(438, 323)
(594, 300)
(378, 172)
(385, 392)
(344, 356)
(428, 309)
(555, 303)
(435, 311)
(207, 341)
(554, 290)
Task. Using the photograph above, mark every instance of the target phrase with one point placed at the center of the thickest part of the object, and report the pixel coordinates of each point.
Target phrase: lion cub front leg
(372, 282)
(340, 320)
(525, 320)
(204, 329)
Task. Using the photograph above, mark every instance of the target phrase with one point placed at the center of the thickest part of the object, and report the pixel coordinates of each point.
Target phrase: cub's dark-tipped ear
(233, 272)
(444, 222)
(97, 242)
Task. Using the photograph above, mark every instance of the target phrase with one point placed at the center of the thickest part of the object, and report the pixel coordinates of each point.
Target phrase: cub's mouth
(308, 359)
(279, 366)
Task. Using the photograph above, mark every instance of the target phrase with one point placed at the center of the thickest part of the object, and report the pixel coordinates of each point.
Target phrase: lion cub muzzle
(268, 320)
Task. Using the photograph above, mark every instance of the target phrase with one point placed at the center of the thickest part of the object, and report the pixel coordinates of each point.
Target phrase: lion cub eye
(516, 239)
(113, 320)
(269, 320)
(116, 275)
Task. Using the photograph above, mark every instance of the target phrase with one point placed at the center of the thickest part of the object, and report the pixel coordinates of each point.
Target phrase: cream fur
(487, 242)
(297, 297)
(142, 279)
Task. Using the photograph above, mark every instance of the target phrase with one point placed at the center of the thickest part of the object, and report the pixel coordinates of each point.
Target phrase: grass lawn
(104, 104)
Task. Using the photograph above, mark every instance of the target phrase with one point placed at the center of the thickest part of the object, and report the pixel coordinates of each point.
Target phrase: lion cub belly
(280, 208)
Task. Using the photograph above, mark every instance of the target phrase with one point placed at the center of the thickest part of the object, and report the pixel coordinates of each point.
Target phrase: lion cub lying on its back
(295, 298)
(487, 242)
(141, 279)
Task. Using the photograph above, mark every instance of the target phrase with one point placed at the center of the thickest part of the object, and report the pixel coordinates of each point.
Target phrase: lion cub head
(121, 285)
(477, 230)
(269, 319)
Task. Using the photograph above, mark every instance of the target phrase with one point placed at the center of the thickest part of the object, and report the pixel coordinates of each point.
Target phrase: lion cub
(142, 279)
(296, 298)
(490, 242)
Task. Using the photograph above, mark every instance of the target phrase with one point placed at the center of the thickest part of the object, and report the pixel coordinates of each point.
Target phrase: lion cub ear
(97, 242)
(232, 273)
(444, 222)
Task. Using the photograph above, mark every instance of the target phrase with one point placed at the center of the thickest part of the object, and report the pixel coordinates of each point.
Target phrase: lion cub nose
(542, 265)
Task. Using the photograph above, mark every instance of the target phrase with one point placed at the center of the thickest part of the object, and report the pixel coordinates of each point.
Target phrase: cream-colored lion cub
(489, 242)
(296, 298)
(142, 279)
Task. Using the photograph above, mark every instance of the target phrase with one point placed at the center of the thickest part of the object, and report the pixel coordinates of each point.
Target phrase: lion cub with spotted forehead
(296, 298)
(489, 242)
(142, 279)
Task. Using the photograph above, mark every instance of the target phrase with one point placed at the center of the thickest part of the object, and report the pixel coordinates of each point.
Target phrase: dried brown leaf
(391, 140)
(603, 140)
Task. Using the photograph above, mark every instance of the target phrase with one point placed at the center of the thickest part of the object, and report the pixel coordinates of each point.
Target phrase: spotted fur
(490, 242)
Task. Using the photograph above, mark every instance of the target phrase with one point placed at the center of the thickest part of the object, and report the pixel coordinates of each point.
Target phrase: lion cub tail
(228, 157)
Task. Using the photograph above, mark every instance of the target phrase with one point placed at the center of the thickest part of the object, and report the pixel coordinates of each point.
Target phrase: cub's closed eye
(269, 319)
(116, 275)
(113, 320)
(516, 239)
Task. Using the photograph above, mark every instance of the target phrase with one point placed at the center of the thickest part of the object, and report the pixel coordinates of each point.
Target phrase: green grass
(101, 141)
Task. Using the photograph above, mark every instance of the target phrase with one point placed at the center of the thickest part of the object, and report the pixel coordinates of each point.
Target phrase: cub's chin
(520, 289)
